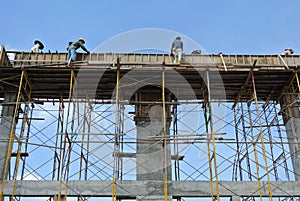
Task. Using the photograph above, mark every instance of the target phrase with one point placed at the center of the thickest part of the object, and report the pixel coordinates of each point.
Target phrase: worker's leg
(69, 55)
(179, 52)
(175, 56)
(73, 53)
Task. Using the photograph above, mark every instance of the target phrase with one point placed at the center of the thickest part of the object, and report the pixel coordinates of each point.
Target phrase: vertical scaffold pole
(176, 148)
(164, 134)
(24, 94)
(67, 143)
(116, 173)
(261, 136)
(59, 140)
(212, 140)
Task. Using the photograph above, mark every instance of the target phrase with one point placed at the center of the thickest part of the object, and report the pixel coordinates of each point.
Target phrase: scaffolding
(76, 145)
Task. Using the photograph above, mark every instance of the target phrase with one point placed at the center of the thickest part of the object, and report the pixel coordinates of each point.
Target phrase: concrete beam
(132, 189)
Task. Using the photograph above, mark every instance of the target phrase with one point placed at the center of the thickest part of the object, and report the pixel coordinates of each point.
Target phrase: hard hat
(41, 45)
(81, 39)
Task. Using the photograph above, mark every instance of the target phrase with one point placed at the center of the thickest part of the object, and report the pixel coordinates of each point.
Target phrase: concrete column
(235, 198)
(291, 117)
(55, 198)
(153, 157)
(5, 128)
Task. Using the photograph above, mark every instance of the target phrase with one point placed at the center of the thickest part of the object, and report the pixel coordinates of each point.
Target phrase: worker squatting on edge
(38, 45)
(72, 49)
(177, 49)
(288, 51)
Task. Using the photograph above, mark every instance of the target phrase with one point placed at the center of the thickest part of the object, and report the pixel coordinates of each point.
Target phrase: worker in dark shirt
(72, 49)
(177, 49)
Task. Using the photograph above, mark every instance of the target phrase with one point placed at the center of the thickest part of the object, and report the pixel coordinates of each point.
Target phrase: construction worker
(288, 51)
(177, 49)
(38, 45)
(196, 52)
(72, 47)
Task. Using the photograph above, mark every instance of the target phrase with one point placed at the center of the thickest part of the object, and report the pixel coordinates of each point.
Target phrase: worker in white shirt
(38, 45)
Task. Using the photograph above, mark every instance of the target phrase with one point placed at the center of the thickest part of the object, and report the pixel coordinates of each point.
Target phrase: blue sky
(231, 26)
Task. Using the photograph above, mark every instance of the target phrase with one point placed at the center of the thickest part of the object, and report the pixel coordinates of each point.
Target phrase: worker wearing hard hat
(38, 45)
(73, 47)
(177, 49)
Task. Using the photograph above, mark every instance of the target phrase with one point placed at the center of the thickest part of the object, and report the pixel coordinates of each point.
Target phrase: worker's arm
(173, 45)
(83, 47)
(172, 48)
